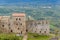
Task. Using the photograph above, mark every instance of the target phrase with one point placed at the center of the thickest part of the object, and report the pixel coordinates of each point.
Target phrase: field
(9, 37)
(31, 36)
(38, 37)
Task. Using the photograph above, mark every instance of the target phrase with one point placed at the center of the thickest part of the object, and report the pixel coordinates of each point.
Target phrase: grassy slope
(9, 37)
(38, 37)
(30, 37)
(52, 27)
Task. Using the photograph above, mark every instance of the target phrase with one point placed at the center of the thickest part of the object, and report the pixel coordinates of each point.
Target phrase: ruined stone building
(13, 24)
(4, 24)
(17, 23)
(38, 26)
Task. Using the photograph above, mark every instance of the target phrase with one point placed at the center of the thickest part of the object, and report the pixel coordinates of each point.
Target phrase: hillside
(51, 13)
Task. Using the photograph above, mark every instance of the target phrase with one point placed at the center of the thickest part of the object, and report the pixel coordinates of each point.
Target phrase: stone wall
(38, 26)
(16, 23)
(13, 24)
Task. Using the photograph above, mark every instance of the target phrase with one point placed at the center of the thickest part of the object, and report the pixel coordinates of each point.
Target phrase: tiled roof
(18, 14)
(0, 17)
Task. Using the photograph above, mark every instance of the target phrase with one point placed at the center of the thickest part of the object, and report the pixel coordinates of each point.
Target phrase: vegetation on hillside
(31, 36)
(9, 37)
(34, 36)
(52, 14)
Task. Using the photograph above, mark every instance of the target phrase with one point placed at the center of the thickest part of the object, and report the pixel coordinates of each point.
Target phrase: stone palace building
(17, 23)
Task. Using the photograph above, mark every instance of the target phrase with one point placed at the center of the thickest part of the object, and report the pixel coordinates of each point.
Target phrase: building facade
(38, 26)
(4, 24)
(13, 24)
(16, 23)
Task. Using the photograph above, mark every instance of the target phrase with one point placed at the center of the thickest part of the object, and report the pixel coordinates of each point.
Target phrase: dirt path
(25, 37)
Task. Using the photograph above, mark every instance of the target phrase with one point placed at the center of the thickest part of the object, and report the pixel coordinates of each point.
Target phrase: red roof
(0, 17)
(18, 14)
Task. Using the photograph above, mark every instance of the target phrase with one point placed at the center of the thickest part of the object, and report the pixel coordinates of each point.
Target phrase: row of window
(18, 19)
(41, 31)
(19, 33)
(43, 23)
(17, 24)
(38, 23)
(9, 24)
(10, 28)
(4, 25)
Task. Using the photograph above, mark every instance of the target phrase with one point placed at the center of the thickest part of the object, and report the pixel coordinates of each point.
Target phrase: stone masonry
(17, 23)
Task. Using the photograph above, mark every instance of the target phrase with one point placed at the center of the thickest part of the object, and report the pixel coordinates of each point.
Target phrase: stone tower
(18, 23)
(4, 24)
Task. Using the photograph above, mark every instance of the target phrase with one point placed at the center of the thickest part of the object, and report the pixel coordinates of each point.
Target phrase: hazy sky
(29, 1)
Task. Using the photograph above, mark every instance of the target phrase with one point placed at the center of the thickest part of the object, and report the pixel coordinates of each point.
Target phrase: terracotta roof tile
(0, 17)
(18, 14)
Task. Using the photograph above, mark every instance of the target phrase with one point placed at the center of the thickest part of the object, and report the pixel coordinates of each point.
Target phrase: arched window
(40, 31)
(11, 30)
(35, 31)
(19, 19)
(2, 25)
(26, 30)
(18, 28)
(16, 19)
(20, 23)
(21, 32)
(44, 31)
